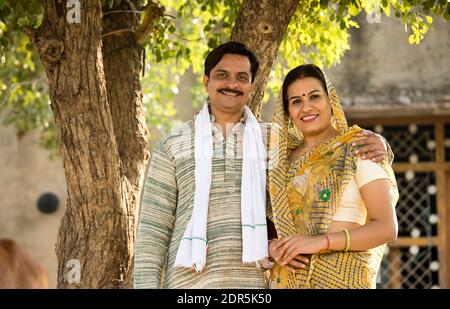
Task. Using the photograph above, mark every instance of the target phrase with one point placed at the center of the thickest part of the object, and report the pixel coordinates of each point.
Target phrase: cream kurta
(167, 205)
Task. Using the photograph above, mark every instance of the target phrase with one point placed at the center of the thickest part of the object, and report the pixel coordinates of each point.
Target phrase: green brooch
(325, 195)
(297, 211)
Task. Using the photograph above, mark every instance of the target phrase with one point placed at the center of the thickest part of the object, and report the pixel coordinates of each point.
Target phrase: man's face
(229, 83)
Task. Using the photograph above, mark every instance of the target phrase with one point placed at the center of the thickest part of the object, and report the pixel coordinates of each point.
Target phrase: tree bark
(122, 59)
(102, 140)
(261, 25)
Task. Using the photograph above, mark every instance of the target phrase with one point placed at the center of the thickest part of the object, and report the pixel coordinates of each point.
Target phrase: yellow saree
(304, 197)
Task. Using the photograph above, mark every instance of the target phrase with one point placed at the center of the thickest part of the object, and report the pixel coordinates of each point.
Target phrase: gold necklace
(303, 149)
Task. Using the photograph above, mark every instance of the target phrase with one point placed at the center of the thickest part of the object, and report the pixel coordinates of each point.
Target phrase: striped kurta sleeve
(156, 220)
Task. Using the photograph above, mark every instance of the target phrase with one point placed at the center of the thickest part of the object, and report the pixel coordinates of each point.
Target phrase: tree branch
(154, 12)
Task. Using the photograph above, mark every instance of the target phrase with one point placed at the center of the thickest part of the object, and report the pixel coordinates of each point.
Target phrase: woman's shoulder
(367, 171)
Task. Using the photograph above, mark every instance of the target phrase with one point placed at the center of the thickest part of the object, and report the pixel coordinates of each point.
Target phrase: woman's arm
(381, 228)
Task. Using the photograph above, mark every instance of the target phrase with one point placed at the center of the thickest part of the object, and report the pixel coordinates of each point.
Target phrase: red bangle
(328, 243)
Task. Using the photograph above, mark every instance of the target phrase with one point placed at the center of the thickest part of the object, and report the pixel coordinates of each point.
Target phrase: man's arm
(156, 220)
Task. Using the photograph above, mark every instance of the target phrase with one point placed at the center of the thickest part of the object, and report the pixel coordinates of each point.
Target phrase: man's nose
(232, 82)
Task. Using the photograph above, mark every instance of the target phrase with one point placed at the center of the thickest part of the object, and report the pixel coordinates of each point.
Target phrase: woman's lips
(309, 118)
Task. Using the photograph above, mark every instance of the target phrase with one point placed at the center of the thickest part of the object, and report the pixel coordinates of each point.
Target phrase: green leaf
(387, 10)
(429, 19)
(412, 39)
(353, 10)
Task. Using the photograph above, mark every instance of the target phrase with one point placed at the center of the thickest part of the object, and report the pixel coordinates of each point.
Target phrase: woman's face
(309, 107)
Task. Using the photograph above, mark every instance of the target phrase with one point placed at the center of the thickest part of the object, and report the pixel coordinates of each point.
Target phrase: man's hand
(372, 147)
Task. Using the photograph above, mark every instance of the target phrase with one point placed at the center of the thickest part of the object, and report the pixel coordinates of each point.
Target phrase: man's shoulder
(179, 134)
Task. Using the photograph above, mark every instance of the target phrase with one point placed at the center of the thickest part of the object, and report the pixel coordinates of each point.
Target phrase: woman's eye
(315, 96)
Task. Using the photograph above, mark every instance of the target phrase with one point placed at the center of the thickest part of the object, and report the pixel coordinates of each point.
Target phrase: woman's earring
(289, 123)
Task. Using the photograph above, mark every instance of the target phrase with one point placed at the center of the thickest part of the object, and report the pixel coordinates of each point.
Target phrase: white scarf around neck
(193, 245)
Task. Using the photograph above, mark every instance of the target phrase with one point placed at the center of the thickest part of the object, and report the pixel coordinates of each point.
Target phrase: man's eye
(243, 78)
(221, 75)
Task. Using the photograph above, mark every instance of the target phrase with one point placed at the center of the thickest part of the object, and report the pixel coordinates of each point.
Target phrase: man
(200, 223)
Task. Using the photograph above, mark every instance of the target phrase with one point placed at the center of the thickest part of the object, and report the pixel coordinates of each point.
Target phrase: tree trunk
(122, 60)
(103, 162)
(261, 25)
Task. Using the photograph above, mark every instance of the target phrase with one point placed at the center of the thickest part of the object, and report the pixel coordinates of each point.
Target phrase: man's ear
(205, 81)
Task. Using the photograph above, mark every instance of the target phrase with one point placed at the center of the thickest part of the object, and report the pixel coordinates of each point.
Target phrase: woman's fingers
(286, 249)
(299, 261)
(302, 258)
(281, 253)
(281, 246)
(289, 256)
(289, 269)
(281, 242)
(292, 251)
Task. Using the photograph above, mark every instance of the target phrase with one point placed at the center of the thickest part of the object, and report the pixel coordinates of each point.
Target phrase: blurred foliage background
(318, 32)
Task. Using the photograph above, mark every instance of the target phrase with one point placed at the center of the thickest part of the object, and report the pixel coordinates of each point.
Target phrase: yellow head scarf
(303, 212)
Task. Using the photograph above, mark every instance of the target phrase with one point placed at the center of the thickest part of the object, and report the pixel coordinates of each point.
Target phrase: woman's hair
(18, 270)
(302, 71)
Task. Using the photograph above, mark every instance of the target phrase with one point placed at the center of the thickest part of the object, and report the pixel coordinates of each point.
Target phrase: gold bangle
(347, 240)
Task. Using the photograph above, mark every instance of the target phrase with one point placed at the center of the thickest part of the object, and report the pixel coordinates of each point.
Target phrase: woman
(336, 212)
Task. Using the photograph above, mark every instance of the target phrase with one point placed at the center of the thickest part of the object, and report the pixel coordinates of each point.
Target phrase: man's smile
(230, 92)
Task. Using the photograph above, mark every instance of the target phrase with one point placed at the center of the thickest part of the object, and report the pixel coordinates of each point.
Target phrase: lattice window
(411, 143)
(418, 258)
(416, 207)
(417, 268)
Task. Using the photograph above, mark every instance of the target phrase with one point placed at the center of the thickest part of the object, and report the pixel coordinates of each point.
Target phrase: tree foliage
(318, 32)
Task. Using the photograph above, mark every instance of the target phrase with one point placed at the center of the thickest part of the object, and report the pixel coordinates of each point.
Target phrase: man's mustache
(231, 90)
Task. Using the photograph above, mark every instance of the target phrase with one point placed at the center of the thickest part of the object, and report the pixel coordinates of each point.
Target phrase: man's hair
(300, 72)
(18, 270)
(232, 47)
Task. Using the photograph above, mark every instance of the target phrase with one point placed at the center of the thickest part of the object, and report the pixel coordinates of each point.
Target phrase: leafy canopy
(317, 33)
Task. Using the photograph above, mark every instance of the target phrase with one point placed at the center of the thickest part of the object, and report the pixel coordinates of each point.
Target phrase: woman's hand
(298, 261)
(288, 248)
(372, 148)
